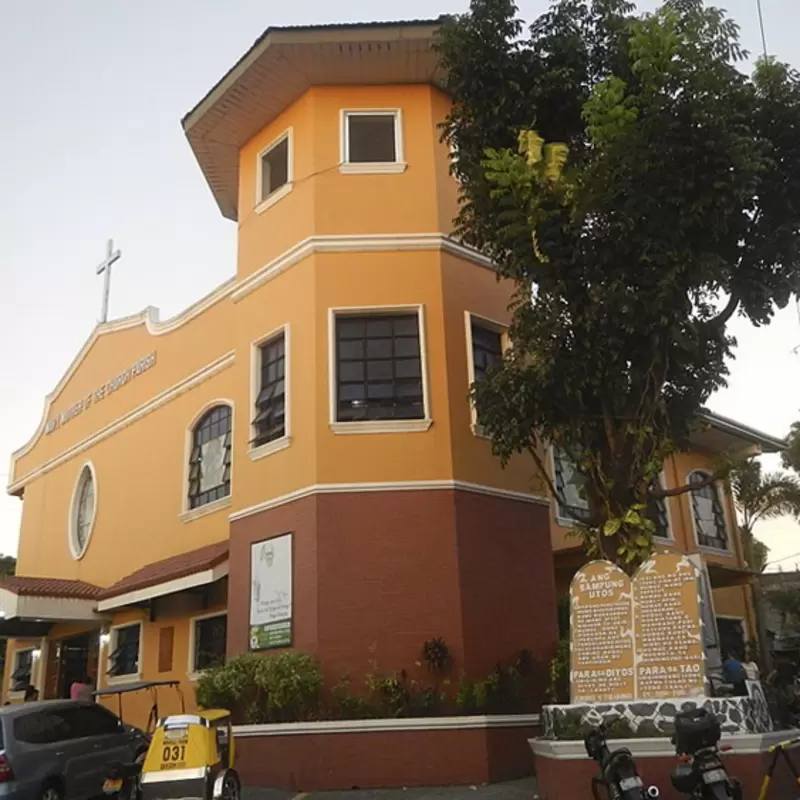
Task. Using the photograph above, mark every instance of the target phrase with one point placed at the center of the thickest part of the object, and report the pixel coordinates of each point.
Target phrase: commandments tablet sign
(669, 635)
(637, 639)
(601, 624)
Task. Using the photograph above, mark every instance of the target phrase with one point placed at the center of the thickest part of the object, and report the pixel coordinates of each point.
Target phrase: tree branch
(722, 318)
(688, 487)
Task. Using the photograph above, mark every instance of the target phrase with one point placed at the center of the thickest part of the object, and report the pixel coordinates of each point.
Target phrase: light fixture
(36, 653)
(105, 638)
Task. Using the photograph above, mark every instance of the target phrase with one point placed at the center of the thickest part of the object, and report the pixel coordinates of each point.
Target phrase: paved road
(524, 789)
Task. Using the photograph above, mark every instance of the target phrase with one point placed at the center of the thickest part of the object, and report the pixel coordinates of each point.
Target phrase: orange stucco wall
(136, 438)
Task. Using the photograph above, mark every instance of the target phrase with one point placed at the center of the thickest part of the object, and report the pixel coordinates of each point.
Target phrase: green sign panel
(270, 635)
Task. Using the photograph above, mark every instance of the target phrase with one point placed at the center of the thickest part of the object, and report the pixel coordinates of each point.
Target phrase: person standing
(734, 673)
(82, 690)
(751, 670)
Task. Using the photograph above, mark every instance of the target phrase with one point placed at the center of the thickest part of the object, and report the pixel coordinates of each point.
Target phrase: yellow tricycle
(191, 757)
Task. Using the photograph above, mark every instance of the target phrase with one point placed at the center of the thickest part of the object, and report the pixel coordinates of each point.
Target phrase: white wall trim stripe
(169, 394)
(387, 486)
(388, 725)
(149, 317)
(742, 744)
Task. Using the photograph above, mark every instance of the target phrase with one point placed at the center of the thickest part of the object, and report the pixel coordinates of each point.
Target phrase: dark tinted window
(210, 640)
(270, 418)
(275, 168)
(41, 727)
(379, 368)
(125, 658)
(371, 138)
(210, 460)
(86, 721)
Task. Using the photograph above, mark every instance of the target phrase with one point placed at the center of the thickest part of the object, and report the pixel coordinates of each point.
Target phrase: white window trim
(264, 450)
(730, 552)
(191, 669)
(492, 325)
(113, 680)
(72, 526)
(368, 167)
(263, 203)
(189, 514)
(378, 425)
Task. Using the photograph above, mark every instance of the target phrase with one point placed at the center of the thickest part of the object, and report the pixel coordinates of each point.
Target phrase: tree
(760, 496)
(638, 190)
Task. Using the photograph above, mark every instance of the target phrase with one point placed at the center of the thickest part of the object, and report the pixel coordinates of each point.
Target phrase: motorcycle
(618, 773)
(701, 773)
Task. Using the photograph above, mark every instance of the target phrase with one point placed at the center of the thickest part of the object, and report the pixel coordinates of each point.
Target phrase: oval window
(83, 512)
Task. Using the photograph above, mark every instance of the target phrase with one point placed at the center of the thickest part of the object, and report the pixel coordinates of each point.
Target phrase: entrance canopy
(30, 606)
(172, 575)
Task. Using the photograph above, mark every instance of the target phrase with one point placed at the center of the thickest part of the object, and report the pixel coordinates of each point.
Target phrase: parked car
(61, 749)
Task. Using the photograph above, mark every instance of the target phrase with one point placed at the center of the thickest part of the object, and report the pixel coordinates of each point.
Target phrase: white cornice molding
(155, 327)
(386, 486)
(354, 243)
(237, 290)
(203, 374)
(389, 725)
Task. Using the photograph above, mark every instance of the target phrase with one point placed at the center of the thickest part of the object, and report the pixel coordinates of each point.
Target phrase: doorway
(732, 635)
(77, 660)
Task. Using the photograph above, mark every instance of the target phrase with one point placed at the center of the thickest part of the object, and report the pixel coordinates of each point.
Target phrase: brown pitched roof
(49, 587)
(169, 569)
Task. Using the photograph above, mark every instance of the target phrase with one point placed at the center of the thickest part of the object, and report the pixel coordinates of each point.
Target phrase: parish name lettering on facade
(109, 387)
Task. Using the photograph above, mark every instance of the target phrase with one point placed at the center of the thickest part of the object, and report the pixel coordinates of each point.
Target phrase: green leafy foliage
(787, 603)
(637, 190)
(284, 687)
(558, 685)
(289, 687)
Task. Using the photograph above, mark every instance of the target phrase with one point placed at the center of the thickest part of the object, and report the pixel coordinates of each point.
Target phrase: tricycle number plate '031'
(173, 756)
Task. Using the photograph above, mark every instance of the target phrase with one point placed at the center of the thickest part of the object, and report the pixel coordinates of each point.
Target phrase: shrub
(281, 687)
(558, 687)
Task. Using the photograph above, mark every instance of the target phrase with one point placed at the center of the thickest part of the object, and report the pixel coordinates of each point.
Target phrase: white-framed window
(708, 515)
(125, 651)
(274, 171)
(486, 343)
(378, 370)
(207, 642)
(210, 457)
(569, 484)
(83, 511)
(270, 377)
(372, 141)
(22, 674)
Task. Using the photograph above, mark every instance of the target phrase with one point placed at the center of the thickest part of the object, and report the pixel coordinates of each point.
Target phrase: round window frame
(72, 537)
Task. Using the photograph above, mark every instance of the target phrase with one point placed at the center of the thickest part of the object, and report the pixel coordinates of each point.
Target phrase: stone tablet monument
(638, 639)
(601, 622)
(669, 637)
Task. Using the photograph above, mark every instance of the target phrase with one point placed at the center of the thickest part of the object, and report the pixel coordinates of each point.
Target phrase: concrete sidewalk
(524, 789)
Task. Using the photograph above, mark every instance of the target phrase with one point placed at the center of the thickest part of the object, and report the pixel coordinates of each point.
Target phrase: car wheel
(51, 791)
(230, 787)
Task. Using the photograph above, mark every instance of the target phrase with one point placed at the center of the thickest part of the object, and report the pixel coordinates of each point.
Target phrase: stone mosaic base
(657, 717)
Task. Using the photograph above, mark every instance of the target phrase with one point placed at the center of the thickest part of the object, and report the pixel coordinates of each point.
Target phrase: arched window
(210, 458)
(82, 512)
(709, 518)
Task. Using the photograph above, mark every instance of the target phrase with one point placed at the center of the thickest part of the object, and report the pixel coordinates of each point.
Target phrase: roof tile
(169, 569)
(24, 586)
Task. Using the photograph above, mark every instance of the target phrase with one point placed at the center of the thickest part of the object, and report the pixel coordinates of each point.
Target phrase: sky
(91, 96)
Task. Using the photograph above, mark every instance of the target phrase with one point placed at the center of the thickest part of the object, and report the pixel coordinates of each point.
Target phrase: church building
(293, 461)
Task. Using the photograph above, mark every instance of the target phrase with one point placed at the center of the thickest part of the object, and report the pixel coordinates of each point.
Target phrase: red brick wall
(332, 761)
(378, 573)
